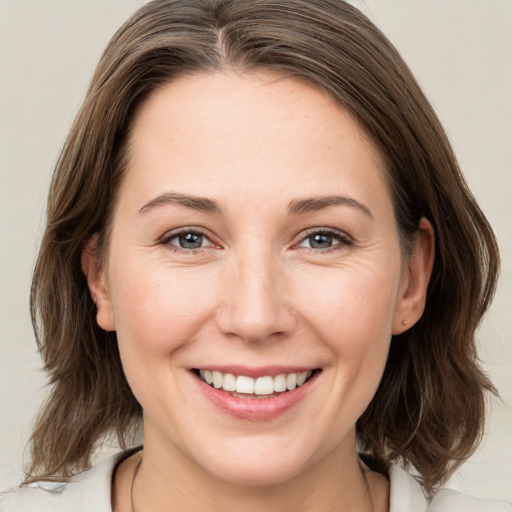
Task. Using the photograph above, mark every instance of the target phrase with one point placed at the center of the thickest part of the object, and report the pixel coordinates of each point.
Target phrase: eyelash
(343, 240)
(166, 240)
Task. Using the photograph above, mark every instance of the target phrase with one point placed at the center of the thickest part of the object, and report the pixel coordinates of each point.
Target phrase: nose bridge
(255, 306)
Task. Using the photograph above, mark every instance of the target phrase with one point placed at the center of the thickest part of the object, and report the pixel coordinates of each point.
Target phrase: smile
(246, 387)
(255, 394)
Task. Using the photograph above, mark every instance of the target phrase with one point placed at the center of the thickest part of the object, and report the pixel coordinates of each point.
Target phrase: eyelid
(343, 236)
(166, 239)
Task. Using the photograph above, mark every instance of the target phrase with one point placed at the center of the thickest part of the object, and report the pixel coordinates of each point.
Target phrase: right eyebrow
(203, 204)
(311, 204)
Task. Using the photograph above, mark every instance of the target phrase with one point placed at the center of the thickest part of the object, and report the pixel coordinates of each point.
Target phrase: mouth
(253, 388)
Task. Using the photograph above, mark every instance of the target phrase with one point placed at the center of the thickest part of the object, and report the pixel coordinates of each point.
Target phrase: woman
(259, 248)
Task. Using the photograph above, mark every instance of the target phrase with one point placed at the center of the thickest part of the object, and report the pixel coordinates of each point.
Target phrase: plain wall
(461, 52)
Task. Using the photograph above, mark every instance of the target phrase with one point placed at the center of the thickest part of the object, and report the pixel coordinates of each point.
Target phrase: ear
(415, 278)
(93, 269)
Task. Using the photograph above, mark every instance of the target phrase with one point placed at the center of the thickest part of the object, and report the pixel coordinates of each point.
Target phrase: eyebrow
(295, 207)
(310, 204)
(196, 203)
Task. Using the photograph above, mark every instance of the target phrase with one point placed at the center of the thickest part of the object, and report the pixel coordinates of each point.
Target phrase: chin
(260, 473)
(261, 462)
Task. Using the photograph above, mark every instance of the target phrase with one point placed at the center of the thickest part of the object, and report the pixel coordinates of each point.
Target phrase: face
(253, 244)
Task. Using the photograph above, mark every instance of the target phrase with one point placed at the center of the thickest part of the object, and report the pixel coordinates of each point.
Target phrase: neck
(168, 477)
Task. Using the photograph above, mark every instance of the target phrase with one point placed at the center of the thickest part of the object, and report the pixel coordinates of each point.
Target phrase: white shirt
(90, 492)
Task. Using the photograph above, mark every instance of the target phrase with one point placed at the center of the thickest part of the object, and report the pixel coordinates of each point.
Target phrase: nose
(256, 306)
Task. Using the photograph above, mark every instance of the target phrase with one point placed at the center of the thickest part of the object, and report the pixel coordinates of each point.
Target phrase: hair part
(429, 409)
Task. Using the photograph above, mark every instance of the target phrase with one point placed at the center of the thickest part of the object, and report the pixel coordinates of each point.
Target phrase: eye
(188, 240)
(323, 239)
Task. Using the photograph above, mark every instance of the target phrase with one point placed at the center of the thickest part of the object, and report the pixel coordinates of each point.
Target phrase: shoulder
(406, 494)
(86, 492)
(447, 500)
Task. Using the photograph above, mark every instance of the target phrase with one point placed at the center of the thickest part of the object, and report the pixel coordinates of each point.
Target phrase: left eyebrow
(195, 202)
(310, 204)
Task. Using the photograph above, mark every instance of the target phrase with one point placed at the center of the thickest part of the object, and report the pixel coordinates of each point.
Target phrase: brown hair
(429, 409)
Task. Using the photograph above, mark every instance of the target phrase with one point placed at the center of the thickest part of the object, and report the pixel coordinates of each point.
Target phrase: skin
(256, 293)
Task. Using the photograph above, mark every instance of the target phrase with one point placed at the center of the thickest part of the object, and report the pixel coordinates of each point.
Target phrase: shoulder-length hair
(429, 409)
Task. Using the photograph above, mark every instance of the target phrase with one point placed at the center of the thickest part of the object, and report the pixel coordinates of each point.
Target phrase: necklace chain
(135, 473)
(137, 467)
(368, 491)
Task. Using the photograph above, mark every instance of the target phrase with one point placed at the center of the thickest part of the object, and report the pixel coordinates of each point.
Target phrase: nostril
(255, 306)
(253, 325)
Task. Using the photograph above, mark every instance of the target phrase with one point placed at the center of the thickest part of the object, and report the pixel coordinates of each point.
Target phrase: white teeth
(218, 379)
(244, 385)
(264, 386)
(280, 383)
(229, 382)
(261, 386)
(291, 381)
(301, 378)
(208, 377)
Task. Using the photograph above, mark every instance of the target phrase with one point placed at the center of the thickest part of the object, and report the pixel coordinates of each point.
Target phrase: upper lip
(255, 371)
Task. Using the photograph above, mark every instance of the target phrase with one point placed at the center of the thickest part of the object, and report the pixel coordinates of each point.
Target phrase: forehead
(257, 130)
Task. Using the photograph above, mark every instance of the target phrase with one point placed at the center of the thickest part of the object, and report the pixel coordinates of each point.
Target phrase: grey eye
(321, 241)
(190, 240)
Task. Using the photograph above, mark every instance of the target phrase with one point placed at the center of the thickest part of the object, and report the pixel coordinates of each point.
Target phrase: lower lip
(255, 409)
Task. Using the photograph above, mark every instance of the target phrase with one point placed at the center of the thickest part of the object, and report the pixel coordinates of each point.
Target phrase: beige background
(461, 52)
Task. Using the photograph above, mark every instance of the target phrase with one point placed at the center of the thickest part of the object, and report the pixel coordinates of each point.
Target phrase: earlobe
(97, 282)
(414, 285)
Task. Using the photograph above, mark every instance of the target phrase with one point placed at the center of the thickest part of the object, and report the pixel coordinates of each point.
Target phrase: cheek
(353, 315)
(157, 316)
(353, 308)
(158, 310)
